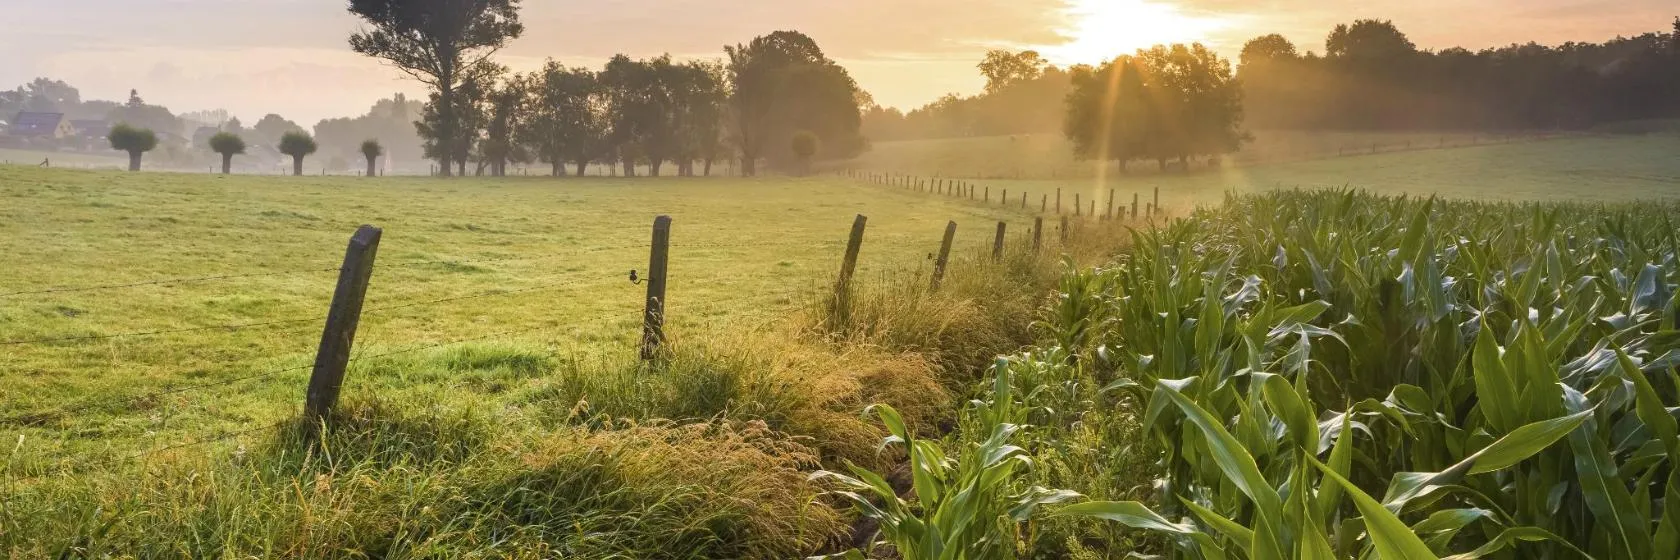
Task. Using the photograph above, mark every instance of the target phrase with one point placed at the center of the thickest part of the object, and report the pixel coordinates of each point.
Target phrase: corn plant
(1336, 374)
(963, 507)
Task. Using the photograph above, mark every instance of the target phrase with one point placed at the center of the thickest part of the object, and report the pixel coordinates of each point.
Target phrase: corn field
(1341, 375)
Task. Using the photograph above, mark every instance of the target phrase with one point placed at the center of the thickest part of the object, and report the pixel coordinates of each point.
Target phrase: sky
(291, 57)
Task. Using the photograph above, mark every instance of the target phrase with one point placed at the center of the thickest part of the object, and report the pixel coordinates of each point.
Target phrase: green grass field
(496, 352)
(1050, 156)
(742, 251)
(1599, 168)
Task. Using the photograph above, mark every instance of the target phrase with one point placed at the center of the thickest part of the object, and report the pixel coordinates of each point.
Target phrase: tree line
(631, 113)
(1369, 76)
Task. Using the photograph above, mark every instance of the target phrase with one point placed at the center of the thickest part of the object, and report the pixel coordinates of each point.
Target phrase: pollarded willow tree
(371, 150)
(135, 141)
(297, 145)
(441, 43)
(228, 145)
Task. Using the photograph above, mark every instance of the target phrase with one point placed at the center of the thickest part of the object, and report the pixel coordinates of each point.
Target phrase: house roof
(36, 124)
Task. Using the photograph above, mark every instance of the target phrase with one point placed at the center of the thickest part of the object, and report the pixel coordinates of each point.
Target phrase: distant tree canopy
(390, 120)
(1373, 77)
(443, 44)
(1162, 103)
(271, 128)
(782, 83)
(1003, 69)
(1023, 95)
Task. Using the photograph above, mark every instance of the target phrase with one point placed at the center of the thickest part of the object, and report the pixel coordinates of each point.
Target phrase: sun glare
(1099, 30)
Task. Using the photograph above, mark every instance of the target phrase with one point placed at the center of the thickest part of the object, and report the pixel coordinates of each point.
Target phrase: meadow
(496, 407)
(1583, 169)
(553, 256)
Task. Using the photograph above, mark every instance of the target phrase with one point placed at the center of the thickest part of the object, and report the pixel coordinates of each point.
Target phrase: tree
(1161, 103)
(371, 150)
(470, 113)
(135, 141)
(297, 144)
(441, 43)
(565, 121)
(506, 117)
(271, 128)
(228, 144)
(804, 145)
(782, 82)
(1003, 68)
(1368, 41)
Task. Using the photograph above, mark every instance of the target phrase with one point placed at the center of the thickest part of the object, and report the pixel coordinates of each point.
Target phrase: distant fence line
(968, 189)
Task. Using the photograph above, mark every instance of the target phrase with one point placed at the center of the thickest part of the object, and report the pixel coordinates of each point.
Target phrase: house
(41, 125)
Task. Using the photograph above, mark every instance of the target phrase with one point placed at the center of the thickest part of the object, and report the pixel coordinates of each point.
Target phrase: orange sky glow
(289, 56)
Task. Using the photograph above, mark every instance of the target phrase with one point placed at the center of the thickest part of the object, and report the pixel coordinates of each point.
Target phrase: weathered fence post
(1038, 233)
(1044, 203)
(1023, 200)
(653, 319)
(1134, 205)
(340, 332)
(1093, 211)
(988, 194)
(997, 242)
(1064, 230)
(1058, 200)
(1110, 212)
(1156, 206)
(944, 255)
(848, 265)
(1076, 204)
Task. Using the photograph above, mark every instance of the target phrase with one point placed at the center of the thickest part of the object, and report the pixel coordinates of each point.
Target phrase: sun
(1099, 30)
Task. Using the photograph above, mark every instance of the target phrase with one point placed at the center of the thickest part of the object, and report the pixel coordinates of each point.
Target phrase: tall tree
(782, 83)
(1162, 103)
(565, 117)
(272, 127)
(1003, 68)
(470, 113)
(441, 43)
(506, 116)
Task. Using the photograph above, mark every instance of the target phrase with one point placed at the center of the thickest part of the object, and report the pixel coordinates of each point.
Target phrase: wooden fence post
(339, 335)
(848, 265)
(1058, 200)
(1134, 205)
(1023, 200)
(1064, 230)
(988, 194)
(1044, 203)
(1076, 204)
(1003, 198)
(653, 319)
(944, 255)
(1110, 212)
(997, 242)
(1156, 206)
(1093, 212)
(1038, 233)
